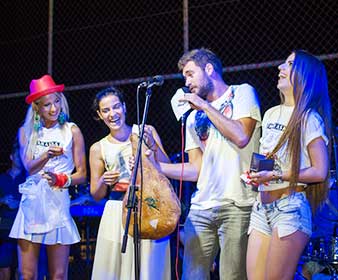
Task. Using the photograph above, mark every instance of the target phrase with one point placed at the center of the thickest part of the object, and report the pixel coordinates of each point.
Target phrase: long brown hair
(310, 90)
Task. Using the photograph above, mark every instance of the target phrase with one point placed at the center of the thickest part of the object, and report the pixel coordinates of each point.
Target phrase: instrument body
(159, 206)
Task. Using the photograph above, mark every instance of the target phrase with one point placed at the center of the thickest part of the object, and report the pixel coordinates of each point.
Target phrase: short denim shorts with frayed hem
(288, 214)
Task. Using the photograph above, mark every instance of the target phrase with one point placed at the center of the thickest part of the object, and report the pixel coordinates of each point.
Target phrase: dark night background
(121, 42)
(101, 43)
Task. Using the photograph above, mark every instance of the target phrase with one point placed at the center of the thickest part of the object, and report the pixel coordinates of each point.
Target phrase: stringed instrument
(161, 207)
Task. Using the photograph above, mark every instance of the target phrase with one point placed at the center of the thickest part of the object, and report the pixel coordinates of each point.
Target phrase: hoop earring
(37, 122)
(62, 118)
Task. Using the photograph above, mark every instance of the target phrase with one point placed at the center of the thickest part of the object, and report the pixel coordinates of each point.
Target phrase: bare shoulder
(22, 135)
(95, 148)
(75, 129)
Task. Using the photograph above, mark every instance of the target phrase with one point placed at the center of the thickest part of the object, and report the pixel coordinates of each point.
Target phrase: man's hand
(195, 101)
(150, 155)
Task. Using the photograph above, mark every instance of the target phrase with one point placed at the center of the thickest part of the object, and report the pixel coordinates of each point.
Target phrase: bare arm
(238, 132)
(319, 159)
(191, 168)
(35, 165)
(317, 172)
(97, 187)
(79, 157)
(100, 179)
(161, 155)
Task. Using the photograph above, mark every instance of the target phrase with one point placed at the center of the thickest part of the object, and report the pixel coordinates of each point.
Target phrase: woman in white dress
(53, 153)
(110, 175)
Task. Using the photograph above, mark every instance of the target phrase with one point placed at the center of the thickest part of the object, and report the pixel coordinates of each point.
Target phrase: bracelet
(69, 182)
(152, 146)
(62, 180)
(277, 176)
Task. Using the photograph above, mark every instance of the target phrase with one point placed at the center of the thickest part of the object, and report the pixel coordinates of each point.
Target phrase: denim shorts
(287, 214)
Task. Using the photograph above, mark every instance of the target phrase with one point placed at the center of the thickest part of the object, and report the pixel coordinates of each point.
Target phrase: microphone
(180, 108)
(157, 80)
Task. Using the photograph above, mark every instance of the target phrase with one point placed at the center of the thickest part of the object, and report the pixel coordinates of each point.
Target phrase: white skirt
(111, 264)
(65, 235)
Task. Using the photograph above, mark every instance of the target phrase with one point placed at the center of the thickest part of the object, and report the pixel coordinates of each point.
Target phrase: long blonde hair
(310, 89)
(31, 134)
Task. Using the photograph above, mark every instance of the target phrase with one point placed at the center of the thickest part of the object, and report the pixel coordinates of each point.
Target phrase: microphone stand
(132, 202)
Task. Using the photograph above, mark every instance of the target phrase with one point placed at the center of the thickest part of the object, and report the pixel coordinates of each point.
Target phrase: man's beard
(205, 89)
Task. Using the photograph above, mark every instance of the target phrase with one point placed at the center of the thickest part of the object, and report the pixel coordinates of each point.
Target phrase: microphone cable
(180, 194)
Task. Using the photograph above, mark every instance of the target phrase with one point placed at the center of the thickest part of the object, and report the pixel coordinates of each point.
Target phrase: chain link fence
(89, 45)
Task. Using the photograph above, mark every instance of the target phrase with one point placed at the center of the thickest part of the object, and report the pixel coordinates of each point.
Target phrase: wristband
(61, 179)
(151, 147)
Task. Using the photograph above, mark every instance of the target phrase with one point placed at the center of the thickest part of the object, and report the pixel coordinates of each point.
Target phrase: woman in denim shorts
(296, 134)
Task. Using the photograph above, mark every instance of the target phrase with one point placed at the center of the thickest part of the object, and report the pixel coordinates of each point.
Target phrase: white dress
(109, 262)
(66, 232)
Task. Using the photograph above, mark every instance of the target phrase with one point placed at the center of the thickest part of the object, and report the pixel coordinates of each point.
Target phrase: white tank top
(116, 157)
(61, 137)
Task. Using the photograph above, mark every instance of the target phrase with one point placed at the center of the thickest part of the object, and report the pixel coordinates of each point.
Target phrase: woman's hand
(50, 177)
(54, 151)
(148, 138)
(110, 177)
(261, 177)
(131, 163)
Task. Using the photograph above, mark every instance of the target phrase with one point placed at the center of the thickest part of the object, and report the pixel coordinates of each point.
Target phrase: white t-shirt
(223, 162)
(274, 123)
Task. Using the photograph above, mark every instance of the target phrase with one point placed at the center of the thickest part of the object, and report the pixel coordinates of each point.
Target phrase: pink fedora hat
(43, 86)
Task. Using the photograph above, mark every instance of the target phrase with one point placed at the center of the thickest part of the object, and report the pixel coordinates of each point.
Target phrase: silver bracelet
(69, 181)
(277, 176)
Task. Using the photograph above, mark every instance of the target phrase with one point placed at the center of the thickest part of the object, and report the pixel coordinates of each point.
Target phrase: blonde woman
(53, 153)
